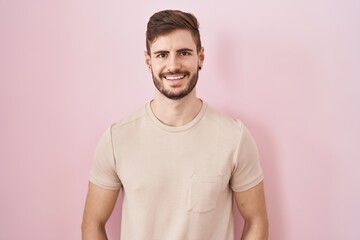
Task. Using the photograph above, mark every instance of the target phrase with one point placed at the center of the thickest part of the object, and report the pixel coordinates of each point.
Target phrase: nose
(173, 64)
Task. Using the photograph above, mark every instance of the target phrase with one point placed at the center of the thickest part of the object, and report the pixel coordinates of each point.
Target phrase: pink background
(288, 69)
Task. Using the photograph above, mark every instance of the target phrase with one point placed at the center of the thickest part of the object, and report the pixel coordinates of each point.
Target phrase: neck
(176, 113)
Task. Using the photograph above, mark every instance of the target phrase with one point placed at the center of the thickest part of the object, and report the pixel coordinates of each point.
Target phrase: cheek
(192, 67)
(194, 63)
(155, 69)
(156, 66)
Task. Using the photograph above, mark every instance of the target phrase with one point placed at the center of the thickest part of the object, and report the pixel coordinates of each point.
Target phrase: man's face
(174, 63)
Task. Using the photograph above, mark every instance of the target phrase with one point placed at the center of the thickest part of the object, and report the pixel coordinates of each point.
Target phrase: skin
(169, 54)
(175, 103)
(98, 208)
(252, 207)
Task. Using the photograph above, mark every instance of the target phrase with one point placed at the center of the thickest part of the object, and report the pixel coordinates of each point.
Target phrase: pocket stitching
(205, 201)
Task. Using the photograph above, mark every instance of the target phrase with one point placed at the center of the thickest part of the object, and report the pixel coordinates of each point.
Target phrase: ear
(201, 57)
(147, 59)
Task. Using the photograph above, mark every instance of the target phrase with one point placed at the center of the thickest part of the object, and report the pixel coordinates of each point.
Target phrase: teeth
(174, 77)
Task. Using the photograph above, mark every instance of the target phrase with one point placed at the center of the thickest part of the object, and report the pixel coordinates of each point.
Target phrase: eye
(161, 55)
(185, 53)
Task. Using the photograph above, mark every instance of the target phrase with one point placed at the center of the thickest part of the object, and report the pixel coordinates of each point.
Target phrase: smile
(174, 77)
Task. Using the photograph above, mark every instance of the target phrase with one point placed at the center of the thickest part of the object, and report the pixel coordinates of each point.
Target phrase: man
(178, 161)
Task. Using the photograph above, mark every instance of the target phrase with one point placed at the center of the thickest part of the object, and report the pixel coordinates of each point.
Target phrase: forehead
(176, 39)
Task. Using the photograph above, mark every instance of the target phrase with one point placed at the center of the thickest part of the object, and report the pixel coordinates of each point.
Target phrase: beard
(158, 82)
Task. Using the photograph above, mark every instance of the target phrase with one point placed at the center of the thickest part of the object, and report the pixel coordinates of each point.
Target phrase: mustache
(162, 75)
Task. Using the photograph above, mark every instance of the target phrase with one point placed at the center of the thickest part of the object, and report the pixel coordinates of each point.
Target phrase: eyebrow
(180, 50)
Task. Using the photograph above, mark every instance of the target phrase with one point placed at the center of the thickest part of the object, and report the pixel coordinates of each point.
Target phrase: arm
(252, 207)
(98, 208)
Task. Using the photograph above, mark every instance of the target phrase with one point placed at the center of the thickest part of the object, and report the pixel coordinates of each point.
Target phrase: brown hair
(168, 20)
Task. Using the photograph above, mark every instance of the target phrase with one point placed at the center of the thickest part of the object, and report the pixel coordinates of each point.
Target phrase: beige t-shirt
(177, 181)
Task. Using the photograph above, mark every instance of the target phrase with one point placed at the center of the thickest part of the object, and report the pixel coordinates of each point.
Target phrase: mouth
(174, 77)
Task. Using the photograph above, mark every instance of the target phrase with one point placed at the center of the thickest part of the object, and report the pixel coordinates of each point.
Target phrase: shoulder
(129, 121)
(223, 120)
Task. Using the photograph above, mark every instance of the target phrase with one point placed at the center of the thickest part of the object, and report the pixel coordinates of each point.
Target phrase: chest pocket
(203, 193)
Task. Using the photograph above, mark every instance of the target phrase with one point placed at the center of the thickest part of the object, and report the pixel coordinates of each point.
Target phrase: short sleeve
(103, 173)
(247, 171)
